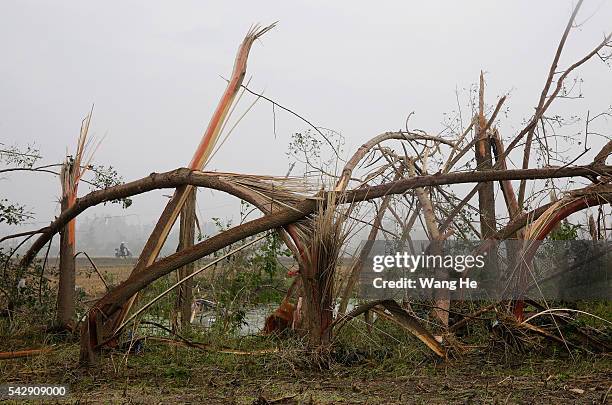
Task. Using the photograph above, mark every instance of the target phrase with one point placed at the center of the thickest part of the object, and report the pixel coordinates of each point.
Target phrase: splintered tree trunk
(65, 292)
(441, 297)
(486, 193)
(70, 175)
(317, 270)
(186, 238)
(203, 152)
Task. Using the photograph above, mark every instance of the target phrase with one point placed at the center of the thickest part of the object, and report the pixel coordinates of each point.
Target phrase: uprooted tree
(406, 174)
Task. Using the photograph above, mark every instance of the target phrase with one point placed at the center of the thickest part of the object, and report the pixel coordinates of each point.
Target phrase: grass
(385, 365)
(190, 375)
(382, 367)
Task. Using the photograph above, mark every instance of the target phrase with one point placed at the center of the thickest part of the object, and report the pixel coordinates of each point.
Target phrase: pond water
(254, 318)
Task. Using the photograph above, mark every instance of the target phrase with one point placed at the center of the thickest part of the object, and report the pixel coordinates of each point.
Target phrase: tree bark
(318, 308)
(484, 162)
(186, 238)
(486, 191)
(441, 297)
(65, 291)
(506, 185)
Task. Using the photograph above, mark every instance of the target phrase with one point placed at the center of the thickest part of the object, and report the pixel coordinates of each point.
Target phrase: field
(114, 270)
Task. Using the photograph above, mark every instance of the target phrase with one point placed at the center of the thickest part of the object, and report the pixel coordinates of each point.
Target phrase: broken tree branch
(219, 181)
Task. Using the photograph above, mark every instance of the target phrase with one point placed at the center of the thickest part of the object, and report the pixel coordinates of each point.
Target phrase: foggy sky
(153, 70)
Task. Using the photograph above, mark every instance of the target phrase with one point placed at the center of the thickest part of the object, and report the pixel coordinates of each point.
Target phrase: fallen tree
(221, 182)
(108, 305)
(312, 225)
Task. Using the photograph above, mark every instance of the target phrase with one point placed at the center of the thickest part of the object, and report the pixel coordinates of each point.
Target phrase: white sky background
(153, 70)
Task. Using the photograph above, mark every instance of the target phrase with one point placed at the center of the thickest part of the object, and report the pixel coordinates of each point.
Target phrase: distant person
(122, 251)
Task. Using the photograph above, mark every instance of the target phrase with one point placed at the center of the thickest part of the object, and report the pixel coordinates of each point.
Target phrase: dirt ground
(163, 375)
(453, 388)
(404, 375)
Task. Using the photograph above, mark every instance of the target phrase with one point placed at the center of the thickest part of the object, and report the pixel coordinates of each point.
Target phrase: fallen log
(398, 315)
(24, 353)
(113, 301)
(219, 181)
